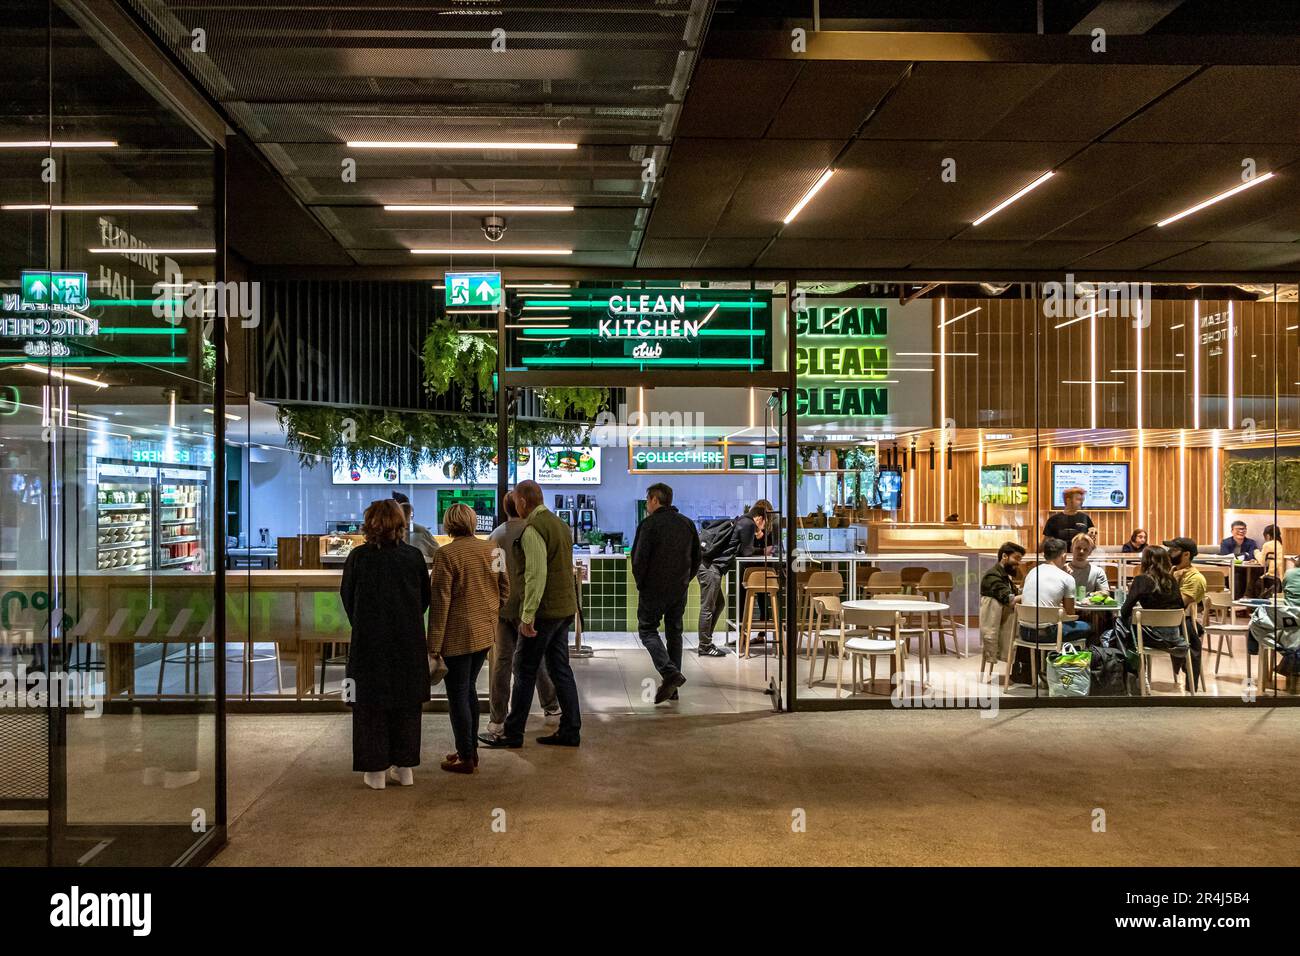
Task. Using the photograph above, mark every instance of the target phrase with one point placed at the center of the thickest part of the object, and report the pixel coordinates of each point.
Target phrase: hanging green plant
(453, 357)
(561, 401)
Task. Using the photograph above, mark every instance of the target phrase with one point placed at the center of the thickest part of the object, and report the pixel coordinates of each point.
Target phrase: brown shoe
(453, 764)
(455, 756)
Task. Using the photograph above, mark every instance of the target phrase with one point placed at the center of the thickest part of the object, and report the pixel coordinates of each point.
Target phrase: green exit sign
(44, 290)
(473, 289)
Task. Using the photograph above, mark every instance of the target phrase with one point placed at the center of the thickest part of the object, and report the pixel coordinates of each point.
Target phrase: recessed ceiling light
(60, 144)
(1008, 201)
(491, 251)
(452, 145)
(98, 207)
(474, 207)
(1213, 199)
(807, 197)
(149, 250)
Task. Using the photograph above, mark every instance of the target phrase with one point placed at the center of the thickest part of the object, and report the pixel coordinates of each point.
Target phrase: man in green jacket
(546, 612)
(998, 599)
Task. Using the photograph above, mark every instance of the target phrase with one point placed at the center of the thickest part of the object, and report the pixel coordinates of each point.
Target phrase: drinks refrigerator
(151, 517)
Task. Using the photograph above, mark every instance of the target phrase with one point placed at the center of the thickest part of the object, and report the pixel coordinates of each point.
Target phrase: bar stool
(759, 581)
(938, 586)
(817, 584)
(885, 582)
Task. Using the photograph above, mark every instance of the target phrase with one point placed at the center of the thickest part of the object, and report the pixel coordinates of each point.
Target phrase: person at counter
(1237, 544)
(1136, 542)
(419, 537)
(385, 593)
(1091, 577)
(665, 553)
(469, 585)
(1065, 525)
(501, 663)
(545, 616)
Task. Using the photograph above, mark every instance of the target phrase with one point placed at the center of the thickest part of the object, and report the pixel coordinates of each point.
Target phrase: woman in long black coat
(385, 592)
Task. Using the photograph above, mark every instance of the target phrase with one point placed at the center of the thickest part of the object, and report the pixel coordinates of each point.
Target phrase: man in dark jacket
(665, 553)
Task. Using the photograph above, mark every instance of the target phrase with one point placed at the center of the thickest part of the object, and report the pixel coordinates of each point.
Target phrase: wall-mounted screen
(566, 466)
(345, 474)
(1104, 484)
(888, 492)
(482, 500)
(1004, 484)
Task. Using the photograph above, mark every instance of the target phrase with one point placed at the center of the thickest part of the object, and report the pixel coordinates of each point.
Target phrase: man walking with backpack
(665, 552)
(719, 544)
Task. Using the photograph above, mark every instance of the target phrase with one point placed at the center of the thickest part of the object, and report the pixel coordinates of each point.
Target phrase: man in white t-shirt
(1048, 584)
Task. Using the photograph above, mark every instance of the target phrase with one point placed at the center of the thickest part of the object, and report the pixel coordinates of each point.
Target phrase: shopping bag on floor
(1069, 672)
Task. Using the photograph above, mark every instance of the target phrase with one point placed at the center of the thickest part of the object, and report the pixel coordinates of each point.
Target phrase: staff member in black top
(1070, 522)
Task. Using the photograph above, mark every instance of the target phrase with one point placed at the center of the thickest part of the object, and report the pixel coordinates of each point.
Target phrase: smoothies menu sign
(645, 329)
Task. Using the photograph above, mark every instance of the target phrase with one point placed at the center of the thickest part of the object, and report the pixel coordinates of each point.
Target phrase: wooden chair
(760, 581)
(1216, 579)
(883, 583)
(911, 577)
(1036, 619)
(864, 573)
(860, 636)
(1220, 620)
(1112, 575)
(914, 624)
(818, 583)
(938, 586)
(1153, 618)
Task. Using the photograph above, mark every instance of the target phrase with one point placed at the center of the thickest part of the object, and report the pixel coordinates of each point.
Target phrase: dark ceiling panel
(1224, 104)
(730, 253)
(842, 254)
(994, 254)
(777, 175)
(731, 98)
(699, 182)
(1235, 255)
(1132, 255)
(668, 253)
(830, 99)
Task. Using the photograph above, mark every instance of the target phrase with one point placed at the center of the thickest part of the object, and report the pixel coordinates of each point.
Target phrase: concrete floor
(1176, 785)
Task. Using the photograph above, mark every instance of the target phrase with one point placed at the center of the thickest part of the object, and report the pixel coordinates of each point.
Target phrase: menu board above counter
(566, 466)
(1104, 483)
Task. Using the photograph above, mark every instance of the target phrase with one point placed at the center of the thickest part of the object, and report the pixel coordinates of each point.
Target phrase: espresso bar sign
(840, 357)
(645, 329)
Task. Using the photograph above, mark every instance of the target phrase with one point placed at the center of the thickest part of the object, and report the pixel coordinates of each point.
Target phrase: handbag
(437, 669)
(1069, 672)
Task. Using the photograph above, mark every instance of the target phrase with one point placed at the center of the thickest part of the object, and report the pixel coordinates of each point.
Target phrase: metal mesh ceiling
(300, 80)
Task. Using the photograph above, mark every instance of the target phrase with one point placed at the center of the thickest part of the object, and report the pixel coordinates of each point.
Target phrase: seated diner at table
(1237, 544)
(1091, 577)
(1048, 584)
(1136, 542)
(1154, 586)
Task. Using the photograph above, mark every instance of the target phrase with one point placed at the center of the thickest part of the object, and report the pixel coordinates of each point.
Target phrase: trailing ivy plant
(453, 357)
(1249, 484)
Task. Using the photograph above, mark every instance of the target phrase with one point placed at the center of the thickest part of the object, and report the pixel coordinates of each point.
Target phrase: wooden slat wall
(1158, 503)
(1004, 386)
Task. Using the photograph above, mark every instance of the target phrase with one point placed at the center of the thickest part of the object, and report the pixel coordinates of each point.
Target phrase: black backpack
(716, 538)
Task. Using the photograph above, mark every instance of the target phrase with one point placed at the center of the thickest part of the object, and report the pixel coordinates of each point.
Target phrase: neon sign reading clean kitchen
(657, 319)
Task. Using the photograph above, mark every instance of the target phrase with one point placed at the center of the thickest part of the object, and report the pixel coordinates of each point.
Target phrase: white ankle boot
(375, 781)
(402, 776)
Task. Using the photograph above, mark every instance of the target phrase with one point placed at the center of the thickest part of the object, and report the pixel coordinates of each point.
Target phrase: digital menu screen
(345, 474)
(566, 466)
(1104, 483)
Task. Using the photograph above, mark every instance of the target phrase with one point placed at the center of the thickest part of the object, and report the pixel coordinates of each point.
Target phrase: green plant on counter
(1249, 484)
(596, 536)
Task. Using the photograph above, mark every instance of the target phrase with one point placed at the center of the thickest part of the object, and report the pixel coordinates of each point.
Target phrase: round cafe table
(924, 608)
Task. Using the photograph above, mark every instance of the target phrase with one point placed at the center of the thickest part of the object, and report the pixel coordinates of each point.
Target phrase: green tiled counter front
(609, 598)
